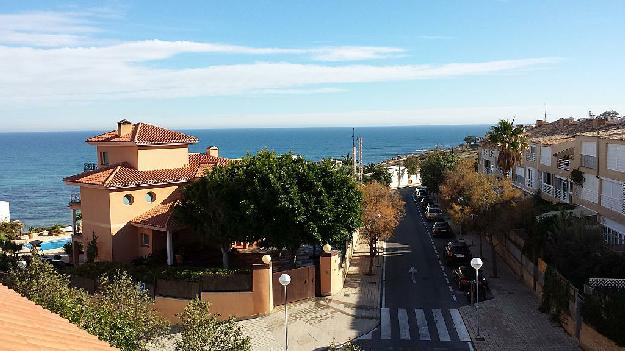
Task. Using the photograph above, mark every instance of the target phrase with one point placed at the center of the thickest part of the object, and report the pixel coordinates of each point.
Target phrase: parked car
(433, 213)
(465, 276)
(441, 229)
(421, 192)
(457, 253)
(424, 202)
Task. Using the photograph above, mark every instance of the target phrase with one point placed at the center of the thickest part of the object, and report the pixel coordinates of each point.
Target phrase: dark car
(433, 213)
(441, 229)
(465, 276)
(424, 202)
(457, 253)
(421, 193)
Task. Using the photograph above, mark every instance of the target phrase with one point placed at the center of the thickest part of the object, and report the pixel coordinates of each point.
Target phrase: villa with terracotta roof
(127, 199)
(594, 146)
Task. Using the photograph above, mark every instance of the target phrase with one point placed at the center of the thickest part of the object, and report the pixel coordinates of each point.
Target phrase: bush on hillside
(202, 331)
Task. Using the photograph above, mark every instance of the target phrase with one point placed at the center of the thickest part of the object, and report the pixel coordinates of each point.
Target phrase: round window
(128, 199)
(150, 197)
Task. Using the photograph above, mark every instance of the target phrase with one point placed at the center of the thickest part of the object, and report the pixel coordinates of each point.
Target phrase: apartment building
(127, 199)
(594, 148)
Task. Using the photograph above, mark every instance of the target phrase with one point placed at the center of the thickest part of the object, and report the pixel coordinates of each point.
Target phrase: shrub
(123, 314)
(42, 284)
(202, 331)
(118, 313)
(92, 249)
(67, 248)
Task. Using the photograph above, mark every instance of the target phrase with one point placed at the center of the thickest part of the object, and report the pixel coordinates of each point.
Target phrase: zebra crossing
(419, 324)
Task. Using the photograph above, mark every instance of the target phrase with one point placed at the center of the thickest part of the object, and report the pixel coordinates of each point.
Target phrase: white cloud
(354, 53)
(45, 29)
(116, 72)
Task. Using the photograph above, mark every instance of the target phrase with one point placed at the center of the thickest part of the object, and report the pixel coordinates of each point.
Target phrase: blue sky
(220, 64)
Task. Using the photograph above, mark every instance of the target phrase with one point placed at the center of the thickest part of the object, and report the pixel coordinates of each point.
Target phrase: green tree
(123, 314)
(11, 230)
(412, 164)
(377, 173)
(609, 114)
(510, 141)
(203, 331)
(471, 139)
(434, 167)
(211, 206)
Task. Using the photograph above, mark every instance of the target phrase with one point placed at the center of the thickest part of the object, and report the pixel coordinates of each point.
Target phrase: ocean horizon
(33, 164)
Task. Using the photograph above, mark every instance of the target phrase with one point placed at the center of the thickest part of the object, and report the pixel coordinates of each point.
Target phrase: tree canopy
(383, 209)
(412, 164)
(434, 167)
(510, 141)
(377, 173)
(280, 201)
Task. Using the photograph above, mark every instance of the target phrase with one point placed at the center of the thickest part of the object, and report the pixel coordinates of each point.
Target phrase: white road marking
(443, 334)
(470, 346)
(385, 324)
(463, 334)
(367, 336)
(424, 333)
(404, 327)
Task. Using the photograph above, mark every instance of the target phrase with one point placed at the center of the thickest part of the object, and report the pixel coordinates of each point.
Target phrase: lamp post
(477, 264)
(284, 280)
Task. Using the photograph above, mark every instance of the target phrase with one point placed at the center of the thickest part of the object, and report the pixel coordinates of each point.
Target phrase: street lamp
(477, 264)
(284, 280)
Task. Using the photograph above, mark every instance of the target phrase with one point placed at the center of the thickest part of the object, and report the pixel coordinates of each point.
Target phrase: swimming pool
(52, 244)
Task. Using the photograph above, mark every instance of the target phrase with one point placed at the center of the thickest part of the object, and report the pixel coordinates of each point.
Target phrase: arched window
(150, 197)
(128, 199)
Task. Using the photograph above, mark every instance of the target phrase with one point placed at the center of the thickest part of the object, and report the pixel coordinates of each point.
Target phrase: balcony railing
(530, 156)
(519, 179)
(561, 195)
(564, 164)
(547, 189)
(530, 183)
(589, 161)
(74, 199)
(90, 167)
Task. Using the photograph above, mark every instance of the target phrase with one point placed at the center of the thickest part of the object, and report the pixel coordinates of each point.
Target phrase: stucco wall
(118, 154)
(239, 304)
(170, 307)
(96, 220)
(150, 158)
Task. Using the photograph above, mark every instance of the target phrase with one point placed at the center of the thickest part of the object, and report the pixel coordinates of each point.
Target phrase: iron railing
(564, 164)
(74, 199)
(547, 189)
(89, 166)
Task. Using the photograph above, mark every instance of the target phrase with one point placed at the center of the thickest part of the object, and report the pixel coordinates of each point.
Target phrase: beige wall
(96, 220)
(331, 273)
(602, 152)
(118, 154)
(144, 250)
(125, 236)
(170, 307)
(161, 157)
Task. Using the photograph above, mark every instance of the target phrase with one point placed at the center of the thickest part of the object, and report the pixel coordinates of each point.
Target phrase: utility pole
(354, 153)
(362, 169)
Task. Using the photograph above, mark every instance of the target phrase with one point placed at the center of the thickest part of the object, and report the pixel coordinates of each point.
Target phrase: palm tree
(511, 142)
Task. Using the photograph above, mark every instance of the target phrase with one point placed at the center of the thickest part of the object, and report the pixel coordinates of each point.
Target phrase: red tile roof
(145, 134)
(25, 326)
(121, 175)
(160, 216)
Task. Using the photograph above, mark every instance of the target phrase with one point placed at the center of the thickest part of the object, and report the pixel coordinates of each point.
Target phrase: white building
(400, 177)
(5, 213)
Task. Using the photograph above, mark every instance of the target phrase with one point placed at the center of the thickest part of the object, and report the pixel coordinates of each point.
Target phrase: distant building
(127, 199)
(400, 177)
(5, 212)
(594, 147)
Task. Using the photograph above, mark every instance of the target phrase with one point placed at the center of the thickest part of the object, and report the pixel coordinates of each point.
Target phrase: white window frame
(616, 157)
(588, 192)
(589, 148)
(545, 155)
(612, 195)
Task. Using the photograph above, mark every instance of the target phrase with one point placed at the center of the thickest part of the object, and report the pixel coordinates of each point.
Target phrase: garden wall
(533, 277)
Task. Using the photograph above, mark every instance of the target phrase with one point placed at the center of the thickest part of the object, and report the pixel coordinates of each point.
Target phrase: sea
(33, 165)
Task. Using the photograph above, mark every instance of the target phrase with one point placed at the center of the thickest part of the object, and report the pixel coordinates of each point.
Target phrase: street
(419, 300)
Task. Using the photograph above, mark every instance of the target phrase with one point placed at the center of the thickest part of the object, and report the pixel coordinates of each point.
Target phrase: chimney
(539, 122)
(212, 151)
(124, 127)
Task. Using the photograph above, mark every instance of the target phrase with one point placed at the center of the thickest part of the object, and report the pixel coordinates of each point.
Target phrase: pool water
(52, 244)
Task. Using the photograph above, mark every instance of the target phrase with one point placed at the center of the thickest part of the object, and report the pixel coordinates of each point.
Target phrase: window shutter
(616, 157)
(545, 155)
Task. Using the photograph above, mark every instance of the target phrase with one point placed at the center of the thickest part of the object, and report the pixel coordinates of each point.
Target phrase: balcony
(589, 161)
(561, 195)
(530, 156)
(547, 189)
(564, 164)
(88, 166)
(74, 201)
(519, 179)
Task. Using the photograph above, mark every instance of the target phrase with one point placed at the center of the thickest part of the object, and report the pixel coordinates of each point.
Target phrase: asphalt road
(419, 299)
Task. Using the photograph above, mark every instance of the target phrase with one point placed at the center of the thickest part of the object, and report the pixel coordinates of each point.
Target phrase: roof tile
(145, 134)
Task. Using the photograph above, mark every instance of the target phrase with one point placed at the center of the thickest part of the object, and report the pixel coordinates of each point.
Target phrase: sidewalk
(316, 323)
(511, 320)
